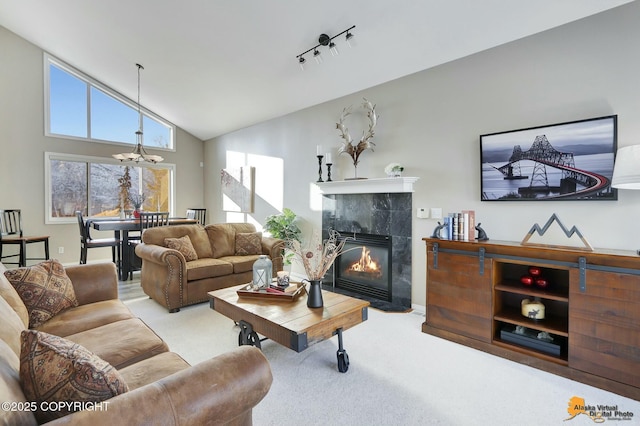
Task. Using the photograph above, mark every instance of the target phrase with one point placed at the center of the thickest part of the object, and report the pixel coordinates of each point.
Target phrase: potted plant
(284, 226)
(394, 170)
(137, 200)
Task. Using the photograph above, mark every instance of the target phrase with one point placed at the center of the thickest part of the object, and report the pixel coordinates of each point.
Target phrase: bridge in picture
(543, 154)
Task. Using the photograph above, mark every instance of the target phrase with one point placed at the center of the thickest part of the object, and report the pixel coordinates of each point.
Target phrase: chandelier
(138, 154)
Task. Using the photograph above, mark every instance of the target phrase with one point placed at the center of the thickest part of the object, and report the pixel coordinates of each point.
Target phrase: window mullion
(89, 134)
(89, 206)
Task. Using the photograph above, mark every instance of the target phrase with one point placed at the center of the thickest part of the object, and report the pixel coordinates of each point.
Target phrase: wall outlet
(60, 250)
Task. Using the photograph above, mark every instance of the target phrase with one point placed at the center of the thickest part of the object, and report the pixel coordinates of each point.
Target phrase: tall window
(80, 107)
(101, 188)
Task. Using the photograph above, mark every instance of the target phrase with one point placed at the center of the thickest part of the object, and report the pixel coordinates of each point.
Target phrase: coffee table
(291, 323)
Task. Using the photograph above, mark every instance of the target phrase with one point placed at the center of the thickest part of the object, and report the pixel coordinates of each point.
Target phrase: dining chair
(153, 219)
(199, 214)
(147, 220)
(11, 233)
(87, 242)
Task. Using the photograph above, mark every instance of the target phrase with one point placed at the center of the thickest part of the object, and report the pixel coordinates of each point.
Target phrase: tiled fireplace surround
(380, 213)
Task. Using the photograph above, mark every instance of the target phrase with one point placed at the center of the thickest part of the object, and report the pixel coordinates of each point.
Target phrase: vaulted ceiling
(214, 66)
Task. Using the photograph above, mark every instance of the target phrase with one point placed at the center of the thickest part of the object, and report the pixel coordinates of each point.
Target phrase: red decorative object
(526, 280)
(136, 213)
(542, 282)
(535, 271)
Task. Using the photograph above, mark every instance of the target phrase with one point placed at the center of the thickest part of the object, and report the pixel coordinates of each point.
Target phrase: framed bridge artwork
(565, 161)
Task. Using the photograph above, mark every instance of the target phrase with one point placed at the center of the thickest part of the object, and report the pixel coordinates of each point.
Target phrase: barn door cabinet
(591, 326)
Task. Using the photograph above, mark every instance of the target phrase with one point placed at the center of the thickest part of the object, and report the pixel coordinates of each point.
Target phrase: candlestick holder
(329, 172)
(320, 168)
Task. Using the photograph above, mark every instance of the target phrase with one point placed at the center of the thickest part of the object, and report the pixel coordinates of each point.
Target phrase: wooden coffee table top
(291, 323)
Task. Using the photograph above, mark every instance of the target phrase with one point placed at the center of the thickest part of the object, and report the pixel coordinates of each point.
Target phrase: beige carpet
(397, 376)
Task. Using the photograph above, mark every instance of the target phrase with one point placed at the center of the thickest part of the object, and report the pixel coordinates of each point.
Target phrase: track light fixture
(325, 40)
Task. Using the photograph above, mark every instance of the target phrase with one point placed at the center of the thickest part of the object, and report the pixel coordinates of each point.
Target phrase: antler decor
(365, 143)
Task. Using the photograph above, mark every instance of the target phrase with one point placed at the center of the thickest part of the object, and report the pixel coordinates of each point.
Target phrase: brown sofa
(163, 388)
(171, 280)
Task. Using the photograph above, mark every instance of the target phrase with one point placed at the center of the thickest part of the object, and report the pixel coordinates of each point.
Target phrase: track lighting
(325, 40)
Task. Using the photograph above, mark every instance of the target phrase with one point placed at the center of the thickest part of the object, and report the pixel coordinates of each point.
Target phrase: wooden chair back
(10, 223)
(151, 220)
(199, 214)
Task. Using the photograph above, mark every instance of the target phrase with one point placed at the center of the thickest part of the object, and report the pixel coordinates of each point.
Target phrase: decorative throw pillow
(183, 245)
(53, 369)
(248, 243)
(45, 290)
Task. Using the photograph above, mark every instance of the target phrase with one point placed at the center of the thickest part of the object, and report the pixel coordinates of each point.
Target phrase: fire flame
(366, 264)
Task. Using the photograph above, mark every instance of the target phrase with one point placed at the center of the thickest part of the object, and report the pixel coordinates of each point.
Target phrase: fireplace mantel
(368, 186)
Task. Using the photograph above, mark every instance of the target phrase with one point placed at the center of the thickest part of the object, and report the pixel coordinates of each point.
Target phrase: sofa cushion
(152, 369)
(9, 293)
(135, 342)
(11, 326)
(197, 234)
(54, 369)
(86, 317)
(241, 263)
(248, 243)
(44, 288)
(208, 268)
(10, 389)
(183, 245)
(223, 237)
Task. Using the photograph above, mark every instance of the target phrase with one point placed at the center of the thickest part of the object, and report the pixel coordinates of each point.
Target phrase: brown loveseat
(162, 387)
(225, 258)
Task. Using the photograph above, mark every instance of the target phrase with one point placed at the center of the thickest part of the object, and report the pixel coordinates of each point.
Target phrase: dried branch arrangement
(318, 256)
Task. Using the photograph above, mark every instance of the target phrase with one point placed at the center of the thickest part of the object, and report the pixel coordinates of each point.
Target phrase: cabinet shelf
(562, 359)
(517, 288)
(555, 325)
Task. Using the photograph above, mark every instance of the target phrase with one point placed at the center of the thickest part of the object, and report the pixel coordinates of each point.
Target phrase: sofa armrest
(155, 253)
(164, 275)
(222, 390)
(94, 282)
(274, 248)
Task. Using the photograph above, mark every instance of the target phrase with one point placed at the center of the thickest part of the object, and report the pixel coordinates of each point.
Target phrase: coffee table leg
(343, 358)
(247, 336)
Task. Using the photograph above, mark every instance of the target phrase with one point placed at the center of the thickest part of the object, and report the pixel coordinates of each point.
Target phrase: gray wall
(430, 122)
(23, 144)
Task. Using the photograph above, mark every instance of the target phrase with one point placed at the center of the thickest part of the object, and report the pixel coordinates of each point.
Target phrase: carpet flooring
(397, 376)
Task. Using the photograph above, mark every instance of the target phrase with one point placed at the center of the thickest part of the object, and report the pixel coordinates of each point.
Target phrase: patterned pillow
(53, 369)
(248, 243)
(45, 290)
(183, 245)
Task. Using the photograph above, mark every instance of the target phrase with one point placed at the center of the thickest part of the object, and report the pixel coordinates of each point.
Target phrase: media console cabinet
(592, 307)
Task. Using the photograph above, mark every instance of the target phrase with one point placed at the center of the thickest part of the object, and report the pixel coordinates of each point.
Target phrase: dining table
(121, 229)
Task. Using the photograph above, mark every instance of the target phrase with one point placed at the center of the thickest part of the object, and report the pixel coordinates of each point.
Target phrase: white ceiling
(214, 66)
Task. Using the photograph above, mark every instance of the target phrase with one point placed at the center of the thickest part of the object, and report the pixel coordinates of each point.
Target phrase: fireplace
(365, 268)
(384, 219)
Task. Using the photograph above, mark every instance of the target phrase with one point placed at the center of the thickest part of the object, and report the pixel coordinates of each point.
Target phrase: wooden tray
(264, 294)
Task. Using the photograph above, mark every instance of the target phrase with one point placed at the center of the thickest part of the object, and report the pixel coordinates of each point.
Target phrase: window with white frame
(79, 107)
(103, 188)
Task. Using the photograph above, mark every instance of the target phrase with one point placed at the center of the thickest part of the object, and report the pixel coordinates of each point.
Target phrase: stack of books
(459, 226)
